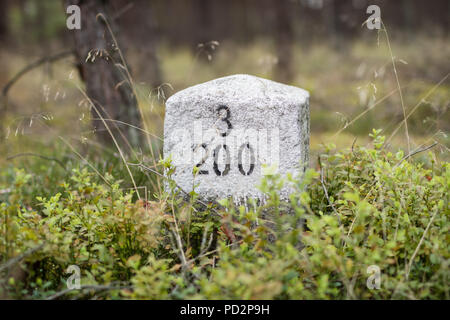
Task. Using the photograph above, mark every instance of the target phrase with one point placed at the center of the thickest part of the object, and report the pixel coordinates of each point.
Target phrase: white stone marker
(228, 128)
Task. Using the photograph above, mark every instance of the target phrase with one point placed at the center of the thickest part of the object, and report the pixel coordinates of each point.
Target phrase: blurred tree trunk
(204, 11)
(3, 19)
(335, 13)
(3, 65)
(284, 40)
(408, 9)
(106, 82)
(202, 29)
(140, 22)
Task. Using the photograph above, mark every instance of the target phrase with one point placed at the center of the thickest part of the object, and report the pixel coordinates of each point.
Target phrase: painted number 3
(226, 170)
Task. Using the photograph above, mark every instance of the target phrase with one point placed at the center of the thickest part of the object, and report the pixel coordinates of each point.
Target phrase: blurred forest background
(47, 72)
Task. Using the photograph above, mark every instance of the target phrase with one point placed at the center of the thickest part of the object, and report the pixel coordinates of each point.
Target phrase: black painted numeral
(226, 170)
(227, 164)
(252, 159)
(202, 162)
(226, 119)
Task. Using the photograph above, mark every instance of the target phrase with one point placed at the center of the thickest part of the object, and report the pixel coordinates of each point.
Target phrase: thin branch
(122, 156)
(142, 166)
(405, 118)
(122, 11)
(129, 125)
(133, 88)
(88, 287)
(417, 106)
(178, 238)
(13, 261)
(85, 160)
(408, 269)
(212, 251)
(33, 66)
(364, 112)
(417, 151)
(326, 195)
(27, 154)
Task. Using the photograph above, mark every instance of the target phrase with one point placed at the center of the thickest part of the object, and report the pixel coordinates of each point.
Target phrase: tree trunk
(140, 22)
(284, 36)
(3, 19)
(106, 83)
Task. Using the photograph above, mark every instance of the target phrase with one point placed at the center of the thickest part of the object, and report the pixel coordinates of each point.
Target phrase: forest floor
(67, 200)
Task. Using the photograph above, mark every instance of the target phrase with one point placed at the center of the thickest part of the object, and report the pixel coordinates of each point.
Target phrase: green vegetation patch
(362, 209)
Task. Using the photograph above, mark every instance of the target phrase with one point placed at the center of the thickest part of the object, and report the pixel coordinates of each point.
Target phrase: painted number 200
(225, 148)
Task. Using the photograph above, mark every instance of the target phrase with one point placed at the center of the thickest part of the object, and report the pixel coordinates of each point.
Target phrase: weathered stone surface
(229, 127)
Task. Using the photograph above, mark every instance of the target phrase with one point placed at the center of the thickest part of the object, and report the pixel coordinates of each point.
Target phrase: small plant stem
(177, 236)
(398, 86)
(408, 267)
(417, 106)
(133, 88)
(85, 160)
(114, 140)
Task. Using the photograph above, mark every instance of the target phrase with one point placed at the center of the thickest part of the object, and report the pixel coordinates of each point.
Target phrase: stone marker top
(242, 87)
(230, 129)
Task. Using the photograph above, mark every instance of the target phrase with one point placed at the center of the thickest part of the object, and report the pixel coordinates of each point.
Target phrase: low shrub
(366, 224)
